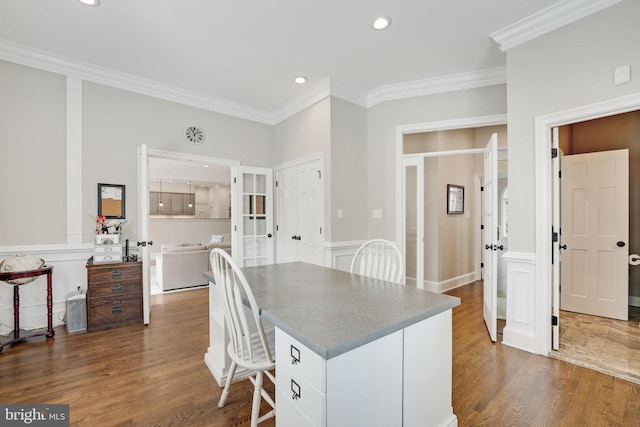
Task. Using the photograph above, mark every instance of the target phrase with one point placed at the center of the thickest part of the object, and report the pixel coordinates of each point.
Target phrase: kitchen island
(350, 350)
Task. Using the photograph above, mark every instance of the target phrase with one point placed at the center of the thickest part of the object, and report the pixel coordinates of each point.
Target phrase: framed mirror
(455, 199)
(111, 199)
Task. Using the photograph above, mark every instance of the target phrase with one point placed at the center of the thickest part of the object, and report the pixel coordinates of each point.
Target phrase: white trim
(35, 58)
(299, 161)
(24, 55)
(447, 285)
(520, 329)
(441, 84)
(543, 203)
(547, 20)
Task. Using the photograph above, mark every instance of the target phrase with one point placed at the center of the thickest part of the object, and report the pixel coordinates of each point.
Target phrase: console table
(17, 336)
(350, 350)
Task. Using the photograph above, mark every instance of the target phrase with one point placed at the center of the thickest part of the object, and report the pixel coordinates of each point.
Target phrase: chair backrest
(380, 259)
(238, 301)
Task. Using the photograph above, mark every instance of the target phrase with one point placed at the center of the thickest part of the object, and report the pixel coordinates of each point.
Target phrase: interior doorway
(588, 335)
(441, 244)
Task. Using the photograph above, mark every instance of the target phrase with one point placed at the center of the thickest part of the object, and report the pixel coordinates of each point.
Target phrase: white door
(490, 222)
(252, 215)
(143, 228)
(300, 212)
(595, 230)
(287, 217)
(311, 213)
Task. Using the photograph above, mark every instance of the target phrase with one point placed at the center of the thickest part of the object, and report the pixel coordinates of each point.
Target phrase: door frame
(401, 130)
(174, 155)
(544, 206)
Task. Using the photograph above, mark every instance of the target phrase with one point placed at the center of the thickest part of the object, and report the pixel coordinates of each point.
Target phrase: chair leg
(225, 392)
(257, 397)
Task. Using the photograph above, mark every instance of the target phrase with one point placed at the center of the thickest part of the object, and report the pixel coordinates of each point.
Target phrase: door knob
(620, 244)
(563, 246)
(487, 247)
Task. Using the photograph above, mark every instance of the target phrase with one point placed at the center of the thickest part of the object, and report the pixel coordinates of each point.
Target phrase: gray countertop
(332, 311)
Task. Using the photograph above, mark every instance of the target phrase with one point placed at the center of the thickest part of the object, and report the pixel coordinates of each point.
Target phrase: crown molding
(316, 93)
(27, 56)
(547, 20)
(451, 83)
(23, 55)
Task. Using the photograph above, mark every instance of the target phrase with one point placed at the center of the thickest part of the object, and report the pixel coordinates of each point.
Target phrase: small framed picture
(455, 199)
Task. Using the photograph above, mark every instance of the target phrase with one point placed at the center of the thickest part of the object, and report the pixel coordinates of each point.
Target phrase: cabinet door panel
(364, 385)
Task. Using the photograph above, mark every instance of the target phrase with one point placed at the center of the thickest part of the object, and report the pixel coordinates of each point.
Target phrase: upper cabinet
(213, 201)
(171, 203)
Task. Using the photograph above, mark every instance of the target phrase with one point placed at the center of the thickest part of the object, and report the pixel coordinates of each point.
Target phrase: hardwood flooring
(155, 376)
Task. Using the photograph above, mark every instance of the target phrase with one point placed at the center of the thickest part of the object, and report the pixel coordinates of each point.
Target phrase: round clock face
(194, 135)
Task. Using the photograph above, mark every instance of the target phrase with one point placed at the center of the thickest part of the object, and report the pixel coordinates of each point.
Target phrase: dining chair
(380, 259)
(248, 344)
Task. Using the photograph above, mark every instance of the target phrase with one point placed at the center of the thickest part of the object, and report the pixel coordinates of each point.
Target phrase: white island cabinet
(350, 350)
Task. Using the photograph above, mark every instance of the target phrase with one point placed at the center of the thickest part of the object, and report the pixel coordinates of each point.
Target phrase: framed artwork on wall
(111, 201)
(455, 199)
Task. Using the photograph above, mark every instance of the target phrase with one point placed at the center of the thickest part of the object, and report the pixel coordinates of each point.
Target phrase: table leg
(16, 312)
(50, 331)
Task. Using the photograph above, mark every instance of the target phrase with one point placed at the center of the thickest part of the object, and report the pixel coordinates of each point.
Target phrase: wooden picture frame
(111, 201)
(455, 199)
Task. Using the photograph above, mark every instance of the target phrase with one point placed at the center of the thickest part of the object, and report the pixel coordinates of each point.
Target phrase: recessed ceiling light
(381, 23)
(300, 80)
(206, 166)
(90, 2)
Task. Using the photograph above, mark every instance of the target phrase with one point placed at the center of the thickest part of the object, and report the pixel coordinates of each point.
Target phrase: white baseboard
(634, 301)
(445, 285)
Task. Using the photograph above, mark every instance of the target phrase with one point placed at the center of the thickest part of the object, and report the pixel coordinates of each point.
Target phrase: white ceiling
(247, 52)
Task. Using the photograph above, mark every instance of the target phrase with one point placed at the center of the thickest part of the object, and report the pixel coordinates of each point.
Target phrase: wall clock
(194, 135)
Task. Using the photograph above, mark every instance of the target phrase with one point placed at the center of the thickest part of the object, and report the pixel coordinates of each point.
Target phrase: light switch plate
(377, 213)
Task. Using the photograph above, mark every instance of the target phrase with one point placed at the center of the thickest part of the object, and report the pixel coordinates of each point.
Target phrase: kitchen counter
(350, 350)
(332, 311)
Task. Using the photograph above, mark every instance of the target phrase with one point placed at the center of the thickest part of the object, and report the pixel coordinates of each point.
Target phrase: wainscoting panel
(338, 255)
(519, 331)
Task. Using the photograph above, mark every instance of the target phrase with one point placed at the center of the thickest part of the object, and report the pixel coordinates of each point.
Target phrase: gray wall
(348, 172)
(382, 121)
(570, 67)
(115, 123)
(33, 141)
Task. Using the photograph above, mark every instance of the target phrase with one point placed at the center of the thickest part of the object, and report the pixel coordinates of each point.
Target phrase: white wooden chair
(248, 345)
(380, 259)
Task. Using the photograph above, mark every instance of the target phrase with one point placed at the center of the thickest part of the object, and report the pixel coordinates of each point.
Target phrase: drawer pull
(295, 389)
(115, 274)
(116, 310)
(295, 355)
(116, 288)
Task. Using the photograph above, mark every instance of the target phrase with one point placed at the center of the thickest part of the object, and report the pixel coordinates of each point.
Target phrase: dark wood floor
(155, 376)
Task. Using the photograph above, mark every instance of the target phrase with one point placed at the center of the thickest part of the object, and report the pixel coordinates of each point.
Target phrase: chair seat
(260, 360)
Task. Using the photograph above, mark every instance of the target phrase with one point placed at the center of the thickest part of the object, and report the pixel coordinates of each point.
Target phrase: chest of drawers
(114, 295)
